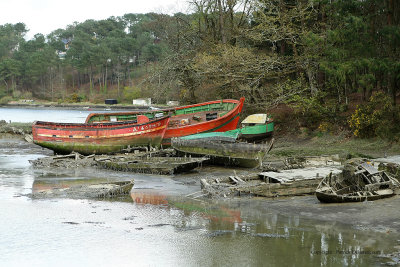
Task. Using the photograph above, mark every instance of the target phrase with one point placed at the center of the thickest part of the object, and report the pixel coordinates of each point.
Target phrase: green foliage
(378, 117)
(74, 98)
(2, 92)
(16, 94)
(130, 93)
(9, 67)
(5, 100)
(92, 54)
(26, 95)
(317, 112)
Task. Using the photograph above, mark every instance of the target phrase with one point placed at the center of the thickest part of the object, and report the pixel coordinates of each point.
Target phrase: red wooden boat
(101, 138)
(212, 116)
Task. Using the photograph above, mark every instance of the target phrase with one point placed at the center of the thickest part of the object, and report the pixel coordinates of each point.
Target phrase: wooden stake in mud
(271, 143)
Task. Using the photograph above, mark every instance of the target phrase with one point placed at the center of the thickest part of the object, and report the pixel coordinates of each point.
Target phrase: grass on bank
(344, 146)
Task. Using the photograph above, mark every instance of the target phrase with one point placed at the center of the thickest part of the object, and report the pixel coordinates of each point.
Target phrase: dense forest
(322, 63)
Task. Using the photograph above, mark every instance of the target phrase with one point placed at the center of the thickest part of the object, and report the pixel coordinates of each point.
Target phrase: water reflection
(149, 198)
(189, 206)
(270, 236)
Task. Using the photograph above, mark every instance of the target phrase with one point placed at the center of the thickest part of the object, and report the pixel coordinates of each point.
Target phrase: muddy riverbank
(378, 215)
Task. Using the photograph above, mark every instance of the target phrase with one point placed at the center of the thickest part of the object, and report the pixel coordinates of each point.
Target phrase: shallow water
(31, 115)
(45, 114)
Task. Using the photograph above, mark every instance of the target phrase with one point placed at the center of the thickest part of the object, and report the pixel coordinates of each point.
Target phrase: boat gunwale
(90, 126)
(225, 116)
(238, 103)
(325, 197)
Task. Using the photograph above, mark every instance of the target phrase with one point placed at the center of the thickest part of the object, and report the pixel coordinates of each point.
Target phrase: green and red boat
(99, 138)
(212, 116)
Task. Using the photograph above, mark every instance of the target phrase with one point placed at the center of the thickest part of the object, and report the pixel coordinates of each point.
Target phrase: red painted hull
(98, 138)
(227, 121)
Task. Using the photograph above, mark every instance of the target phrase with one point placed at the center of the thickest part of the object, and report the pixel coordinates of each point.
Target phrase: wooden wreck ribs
(356, 184)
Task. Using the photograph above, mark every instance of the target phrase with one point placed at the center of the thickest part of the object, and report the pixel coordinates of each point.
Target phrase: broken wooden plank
(193, 193)
(369, 168)
(233, 178)
(204, 183)
(236, 180)
(72, 155)
(240, 180)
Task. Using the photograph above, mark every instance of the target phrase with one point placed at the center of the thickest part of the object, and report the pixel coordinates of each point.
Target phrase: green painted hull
(249, 133)
(257, 133)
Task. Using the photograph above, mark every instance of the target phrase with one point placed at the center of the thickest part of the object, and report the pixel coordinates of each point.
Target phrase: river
(159, 226)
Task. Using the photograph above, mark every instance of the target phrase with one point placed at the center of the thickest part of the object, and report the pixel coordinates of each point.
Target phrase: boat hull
(224, 123)
(257, 133)
(357, 183)
(100, 138)
(231, 154)
(212, 116)
(331, 198)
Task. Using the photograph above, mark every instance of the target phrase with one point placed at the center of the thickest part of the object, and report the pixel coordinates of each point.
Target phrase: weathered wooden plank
(276, 189)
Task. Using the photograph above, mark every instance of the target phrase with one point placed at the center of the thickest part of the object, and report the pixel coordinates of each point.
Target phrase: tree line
(88, 55)
(319, 56)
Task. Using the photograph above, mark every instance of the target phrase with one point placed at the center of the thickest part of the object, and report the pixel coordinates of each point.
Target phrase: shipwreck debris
(99, 190)
(362, 182)
(274, 183)
(152, 165)
(153, 162)
(73, 160)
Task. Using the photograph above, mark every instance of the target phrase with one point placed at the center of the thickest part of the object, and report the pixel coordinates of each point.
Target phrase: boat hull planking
(100, 138)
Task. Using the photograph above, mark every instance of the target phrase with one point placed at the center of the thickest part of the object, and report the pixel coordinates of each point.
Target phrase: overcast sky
(45, 16)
